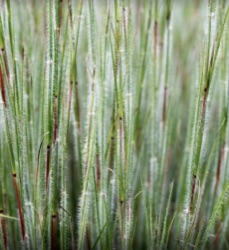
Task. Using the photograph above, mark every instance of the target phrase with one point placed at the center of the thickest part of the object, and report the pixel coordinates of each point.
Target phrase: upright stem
(53, 229)
(47, 164)
(220, 159)
(19, 206)
(2, 86)
(3, 230)
(88, 243)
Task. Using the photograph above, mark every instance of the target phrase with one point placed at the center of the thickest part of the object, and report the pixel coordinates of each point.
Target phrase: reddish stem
(47, 165)
(108, 20)
(164, 106)
(53, 245)
(217, 234)
(88, 239)
(2, 85)
(193, 191)
(219, 166)
(3, 230)
(121, 219)
(203, 107)
(70, 11)
(19, 206)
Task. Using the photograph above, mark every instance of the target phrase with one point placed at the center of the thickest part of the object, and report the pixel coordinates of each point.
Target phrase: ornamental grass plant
(114, 128)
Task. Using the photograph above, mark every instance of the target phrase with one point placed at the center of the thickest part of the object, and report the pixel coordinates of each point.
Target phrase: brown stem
(217, 234)
(203, 108)
(88, 239)
(97, 171)
(2, 85)
(23, 54)
(221, 154)
(192, 192)
(70, 11)
(47, 165)
(3, 230)
(53, 229)
(168, 15)
(108, 21)
(121, 219)
(19, 206)
(164, 106)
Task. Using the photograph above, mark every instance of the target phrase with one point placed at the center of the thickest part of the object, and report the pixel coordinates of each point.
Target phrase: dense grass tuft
(114, 126)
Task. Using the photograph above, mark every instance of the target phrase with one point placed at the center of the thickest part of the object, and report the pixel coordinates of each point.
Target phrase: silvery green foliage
(114, 124)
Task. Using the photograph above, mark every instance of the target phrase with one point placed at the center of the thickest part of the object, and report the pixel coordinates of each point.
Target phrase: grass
(114, 124)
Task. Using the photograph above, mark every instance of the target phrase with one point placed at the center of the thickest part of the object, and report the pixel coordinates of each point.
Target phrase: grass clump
(114, 128)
